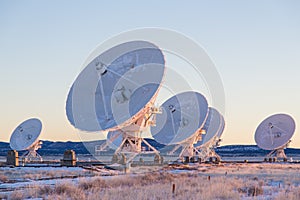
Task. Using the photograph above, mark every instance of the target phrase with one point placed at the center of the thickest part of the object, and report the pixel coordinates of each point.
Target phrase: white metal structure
(25, 137)
(213, 128)
(116, 92)
(274, 133)
(181, 122)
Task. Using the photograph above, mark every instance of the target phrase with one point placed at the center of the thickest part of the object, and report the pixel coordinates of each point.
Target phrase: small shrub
(63, 188)
(252, 191)
(3, 178)
(87, 184)
(32, 176)
(17, 195)
(51, 174)
(289, 195)
(44, 190)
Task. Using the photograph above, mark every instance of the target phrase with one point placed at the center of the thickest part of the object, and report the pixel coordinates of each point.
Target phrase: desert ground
(192, 181)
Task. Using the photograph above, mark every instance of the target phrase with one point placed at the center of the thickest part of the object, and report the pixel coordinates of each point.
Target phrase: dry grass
(87, 184)
(225, 181)
(3, 196)
(290, 194)
(147, 186)
(3, 178)
(11, 174)
(17, 195)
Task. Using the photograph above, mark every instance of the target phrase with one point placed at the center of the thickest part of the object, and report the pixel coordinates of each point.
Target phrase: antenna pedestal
(207, 152)
(131, 146)
(278, 154)
(204, 153)
(31, 153)
(187, 151)
(132, 140)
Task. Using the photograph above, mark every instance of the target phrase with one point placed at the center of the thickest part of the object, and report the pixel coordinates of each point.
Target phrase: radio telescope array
(25, 137)
(115, 94)
(274, 134)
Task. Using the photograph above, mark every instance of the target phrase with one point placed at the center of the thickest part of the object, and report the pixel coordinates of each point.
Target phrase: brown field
(201, 181)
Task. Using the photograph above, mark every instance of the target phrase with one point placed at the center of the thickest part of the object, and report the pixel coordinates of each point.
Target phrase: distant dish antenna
(275, 133)
(25, 137)
(181, 122)
(213, 129)
(116, 92)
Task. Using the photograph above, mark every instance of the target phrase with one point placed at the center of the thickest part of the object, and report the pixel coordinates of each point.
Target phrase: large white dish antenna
(116, 87)
(275, 131)
(26, 135)
(212, 127)
(182, 116)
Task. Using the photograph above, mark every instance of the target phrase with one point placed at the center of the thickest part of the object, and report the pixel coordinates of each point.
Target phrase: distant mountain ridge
(58, 148)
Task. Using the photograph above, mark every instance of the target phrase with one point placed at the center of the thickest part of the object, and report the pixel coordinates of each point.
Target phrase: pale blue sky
(255, 46)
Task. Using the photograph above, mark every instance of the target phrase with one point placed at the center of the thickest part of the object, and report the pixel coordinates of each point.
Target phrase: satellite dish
(213, 128)
(181, 121)
(274, 133)
(25, 137)
(116, 87)
(116, 91)
(221, 130)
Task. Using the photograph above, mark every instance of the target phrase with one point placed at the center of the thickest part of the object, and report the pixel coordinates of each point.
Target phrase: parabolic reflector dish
(26, 134)
(116, 86)
(212, 126)
(275, 131)
(182, 116)
(221, 130)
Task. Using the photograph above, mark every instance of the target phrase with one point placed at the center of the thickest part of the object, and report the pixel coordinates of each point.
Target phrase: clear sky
(255, 46)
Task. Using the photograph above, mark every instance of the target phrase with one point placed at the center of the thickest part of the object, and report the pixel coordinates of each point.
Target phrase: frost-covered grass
(146, 186)
(224, 181)
(17, 174)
